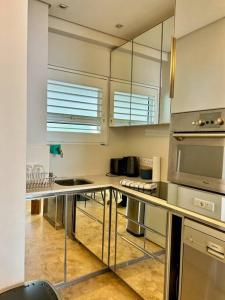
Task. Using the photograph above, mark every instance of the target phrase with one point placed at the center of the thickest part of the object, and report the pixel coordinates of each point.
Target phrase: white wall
(192, 15)
(37, 71)
(86, 159)
(76, 31)
(81, 160)
(76, 54)
(148, 141)
(37, 150)
(13, 91)
(143, 141)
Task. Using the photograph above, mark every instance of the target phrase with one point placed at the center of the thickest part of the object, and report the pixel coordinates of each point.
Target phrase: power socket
(208, 205)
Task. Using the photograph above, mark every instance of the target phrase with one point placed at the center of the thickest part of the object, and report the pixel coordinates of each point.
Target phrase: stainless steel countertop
(106, 182)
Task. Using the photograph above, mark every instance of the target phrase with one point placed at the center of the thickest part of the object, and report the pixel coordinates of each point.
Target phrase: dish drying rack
(39, 180)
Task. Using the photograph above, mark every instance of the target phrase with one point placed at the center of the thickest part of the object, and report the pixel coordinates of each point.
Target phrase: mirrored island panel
(138, 246)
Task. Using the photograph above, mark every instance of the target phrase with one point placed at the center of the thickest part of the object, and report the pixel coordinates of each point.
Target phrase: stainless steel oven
(197, 150)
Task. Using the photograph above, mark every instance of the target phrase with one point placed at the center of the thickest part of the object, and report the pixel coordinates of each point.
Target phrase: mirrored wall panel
(120, 85)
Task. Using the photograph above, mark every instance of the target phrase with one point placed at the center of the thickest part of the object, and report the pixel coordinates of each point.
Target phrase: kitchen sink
(72, 181)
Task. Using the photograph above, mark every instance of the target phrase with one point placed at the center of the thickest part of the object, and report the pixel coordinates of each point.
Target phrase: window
(76, 107)
(73, 108)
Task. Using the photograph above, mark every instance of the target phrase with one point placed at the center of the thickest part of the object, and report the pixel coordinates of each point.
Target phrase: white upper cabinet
(200, 69)
(194, 14)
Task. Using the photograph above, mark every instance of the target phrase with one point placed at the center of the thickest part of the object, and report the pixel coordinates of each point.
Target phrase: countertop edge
(144, 197)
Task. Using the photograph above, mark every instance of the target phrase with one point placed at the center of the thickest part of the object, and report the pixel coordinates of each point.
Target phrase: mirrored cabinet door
(139, 247)
(144, 105)
(86, 239)
(165, 100)
(147, 57)
(146, 69)
(120, 85)
(45, 240)
(121, 62)
(140, 75)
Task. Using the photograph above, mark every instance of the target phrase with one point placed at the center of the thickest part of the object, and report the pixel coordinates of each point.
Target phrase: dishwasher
(203, 263)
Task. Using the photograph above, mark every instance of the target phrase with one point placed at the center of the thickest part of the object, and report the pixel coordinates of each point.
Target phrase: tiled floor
(104, 287)
(45, 259)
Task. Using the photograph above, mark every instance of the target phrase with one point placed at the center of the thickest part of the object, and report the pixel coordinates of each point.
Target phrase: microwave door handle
(178, 160)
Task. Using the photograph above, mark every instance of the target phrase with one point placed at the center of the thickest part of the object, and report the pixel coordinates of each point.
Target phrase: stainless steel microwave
(197, 150)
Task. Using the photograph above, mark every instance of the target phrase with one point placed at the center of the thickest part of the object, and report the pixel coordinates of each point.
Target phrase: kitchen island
(99, 225)
(106, 182)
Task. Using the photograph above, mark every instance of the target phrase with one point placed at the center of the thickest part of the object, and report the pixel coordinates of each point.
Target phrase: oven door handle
(199, 135)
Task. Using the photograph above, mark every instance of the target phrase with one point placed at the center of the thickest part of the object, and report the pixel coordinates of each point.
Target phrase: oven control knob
(193, 123)
(201, 122)
(219, 121)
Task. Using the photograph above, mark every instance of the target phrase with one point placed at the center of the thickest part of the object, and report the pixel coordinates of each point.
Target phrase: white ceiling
(136, 15)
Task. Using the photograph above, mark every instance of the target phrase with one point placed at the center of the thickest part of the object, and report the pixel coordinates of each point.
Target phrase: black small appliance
(116, 166)
(127, 166)
(131, 166)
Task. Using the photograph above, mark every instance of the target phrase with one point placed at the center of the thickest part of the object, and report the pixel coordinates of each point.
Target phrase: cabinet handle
(172, 66)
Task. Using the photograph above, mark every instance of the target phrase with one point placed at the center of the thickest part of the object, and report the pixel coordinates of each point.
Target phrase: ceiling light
(63, 6)
(119, 26)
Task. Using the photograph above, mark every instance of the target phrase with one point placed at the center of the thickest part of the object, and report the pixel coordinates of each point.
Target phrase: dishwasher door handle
(215, 250)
